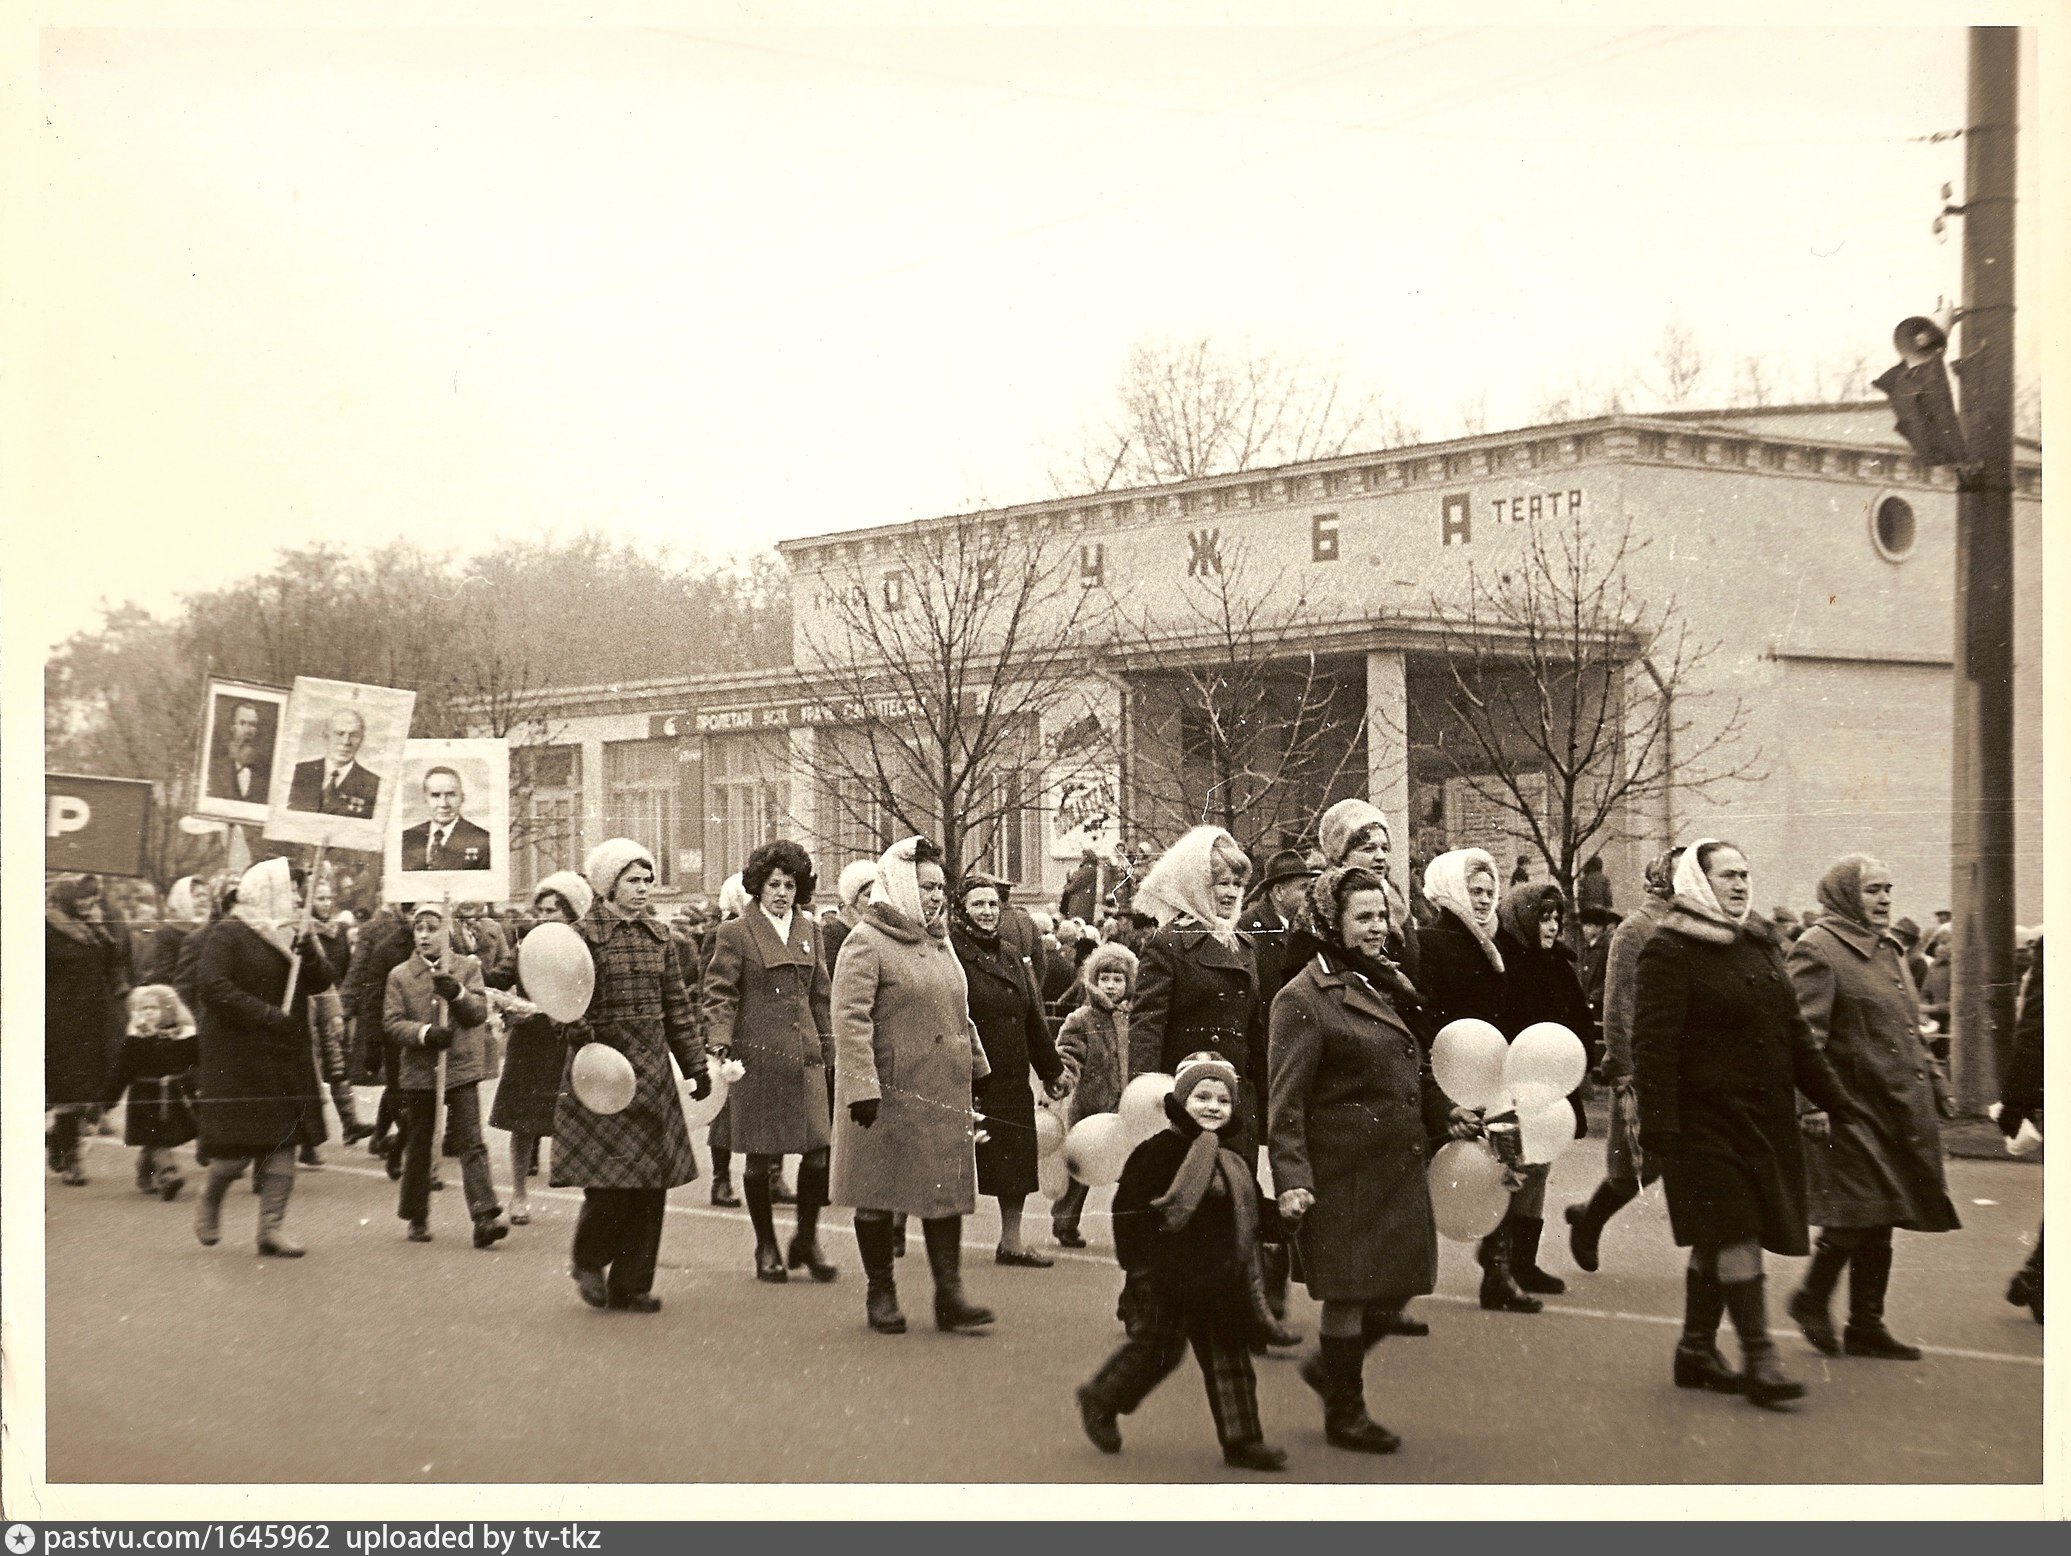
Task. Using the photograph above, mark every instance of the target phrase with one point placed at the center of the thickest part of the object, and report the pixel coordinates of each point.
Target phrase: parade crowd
(909, 1047)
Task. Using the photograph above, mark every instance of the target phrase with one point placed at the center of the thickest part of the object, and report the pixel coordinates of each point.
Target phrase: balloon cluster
(1097, 1147)
(1529, 1077)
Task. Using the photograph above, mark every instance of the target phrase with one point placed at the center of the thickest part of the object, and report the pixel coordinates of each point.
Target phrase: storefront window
(750, 794)
(643, 801)
(546, 795)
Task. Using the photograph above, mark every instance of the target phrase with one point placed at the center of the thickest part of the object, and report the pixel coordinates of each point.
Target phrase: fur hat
(1203, 1066)
(611, 859)
(856, 879)
(1109, 956)
(571, 888)
(1342, 824)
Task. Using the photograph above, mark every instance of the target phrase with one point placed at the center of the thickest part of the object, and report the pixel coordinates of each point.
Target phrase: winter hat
(856, 878)
(1658, 878)
(572, 889)
(1323, 906)
(1203, 1066)
(435, 910)
(1109, 956)
(184, 904)
(733, 896)
(1524, 907)
(1286, 865)
(611, 859)
(1342, 825)
(1445, 886)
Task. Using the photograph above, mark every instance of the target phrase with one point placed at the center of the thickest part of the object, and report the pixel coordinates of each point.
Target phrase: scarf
(1182, 882)
(1206, 1168)
(1693, 893)
(1522, 909)
(266, 902)
(898, 886)
(1445, 886)
(1658, 878)
(1840, 891)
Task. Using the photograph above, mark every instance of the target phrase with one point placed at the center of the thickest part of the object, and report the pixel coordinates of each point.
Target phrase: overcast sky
(719, 286)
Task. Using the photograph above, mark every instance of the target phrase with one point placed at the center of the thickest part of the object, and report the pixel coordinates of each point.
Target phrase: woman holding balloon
(1352, 1107)
(1719, 1044)
(531, 1083)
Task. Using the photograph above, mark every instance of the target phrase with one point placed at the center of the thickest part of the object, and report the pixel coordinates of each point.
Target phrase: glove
(700, 1083)
(2010, 1121)
(1661, 1144)
(864, 1112)
(446, 986)
(438, 1039)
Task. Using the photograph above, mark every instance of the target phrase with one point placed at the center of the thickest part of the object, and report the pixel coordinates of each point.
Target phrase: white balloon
(602, 1078)
(1468, 1194)
(1546, 1131)
(1050, 1132)
(1467, 1059)
(1142, 1108)
(1546, 1060)
(1052, 1176)
(1097, 1148)
(555, 966)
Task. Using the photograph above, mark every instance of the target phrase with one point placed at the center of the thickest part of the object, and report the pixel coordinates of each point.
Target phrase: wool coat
(1352, 1110)
(1885, 1168)
(1095, 1036)
(1719, 1044)
(641, 1008)
(158, 1073)
(1194, 995)
(903, 1036)
(82, 1010)
(1007, 1010)
(1202, 1265)
(768, 999)
(256, 1080)
(1456, 977)
(412, 1004)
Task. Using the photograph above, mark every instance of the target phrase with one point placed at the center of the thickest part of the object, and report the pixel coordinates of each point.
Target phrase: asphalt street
(377, 1360)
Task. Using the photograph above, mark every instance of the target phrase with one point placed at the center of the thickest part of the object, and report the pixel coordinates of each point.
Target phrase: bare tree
(1473, 414)
(1569, 702)
(1249, 730)
(1584, 397)
(1830, 380)
(938, 657)
(1754, 382)
(1679, 364)
(1192, 408)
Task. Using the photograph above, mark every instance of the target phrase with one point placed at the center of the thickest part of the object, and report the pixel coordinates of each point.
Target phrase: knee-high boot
(1698, 1364)
(1525, 1232)
(1869, 1278)
(1499, 1293)
(276, 1184)
(880, 1292)
(722, 1178)
(1586, 1223)
(1809, 1304)
(1338, 1373)
(769, 1257)
(208, 1213)
(1762, 1378)
(805, 1250)
(945, 1261)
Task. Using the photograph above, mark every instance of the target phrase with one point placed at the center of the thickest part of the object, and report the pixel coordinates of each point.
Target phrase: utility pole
(1982, 884)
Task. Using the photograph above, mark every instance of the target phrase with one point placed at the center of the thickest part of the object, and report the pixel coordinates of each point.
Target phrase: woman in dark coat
(1352, 1107)
(1719, 1044)
(1540, 983)
(765, 1000)
(1007, 1009)
(82, 1013)
(258, 1096)
(530, 1088)
(1885, 1171)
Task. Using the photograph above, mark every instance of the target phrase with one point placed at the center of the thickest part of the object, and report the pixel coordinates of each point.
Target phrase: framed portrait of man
(449, 835)
(241, 726)
(342, 750)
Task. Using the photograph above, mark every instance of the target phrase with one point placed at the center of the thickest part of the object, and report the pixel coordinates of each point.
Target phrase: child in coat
(1186, 1224)
(1094, 1039)
(155, 1065)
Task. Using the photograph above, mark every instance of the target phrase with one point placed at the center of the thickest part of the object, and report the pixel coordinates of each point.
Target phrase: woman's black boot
(1499, 1294)
(943, 1236)
(769, 1257)
(1339, 1366)
(1762, 1378)
(805, 1251)
(1809, 1304)
(1869, 1278)
(1525, 1232)
(1698, 1364)
(880, 1292)
(1586, 1223)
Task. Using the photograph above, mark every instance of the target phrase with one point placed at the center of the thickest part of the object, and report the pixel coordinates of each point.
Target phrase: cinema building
(1802, 545)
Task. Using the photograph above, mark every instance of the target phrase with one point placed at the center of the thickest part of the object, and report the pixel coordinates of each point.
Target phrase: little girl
(1092, 1043)
(156, 1066)
(1186, 1222)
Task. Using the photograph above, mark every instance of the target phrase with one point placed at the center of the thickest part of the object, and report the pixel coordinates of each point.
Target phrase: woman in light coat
(907, 1064)
(1885, 1170)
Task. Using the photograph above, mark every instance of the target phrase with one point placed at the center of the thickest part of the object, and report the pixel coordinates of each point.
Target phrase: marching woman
(256, 1080)
(766, 999)
(1540, 983)
(907, 1066)
(1463, 979)
(1719, 1044)
(1885, 1170)
(531, 1084)
(626, 1162)
(1007, 1010)
(1352, 1106)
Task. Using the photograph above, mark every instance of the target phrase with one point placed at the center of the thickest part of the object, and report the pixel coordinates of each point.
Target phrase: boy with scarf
(1186, 1227)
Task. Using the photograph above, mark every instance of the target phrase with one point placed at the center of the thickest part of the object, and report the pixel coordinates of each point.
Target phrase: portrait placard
(241, 725)
(449, 834)
(342, 749)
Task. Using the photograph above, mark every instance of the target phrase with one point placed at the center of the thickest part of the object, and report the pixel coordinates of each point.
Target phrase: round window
(1893, 528)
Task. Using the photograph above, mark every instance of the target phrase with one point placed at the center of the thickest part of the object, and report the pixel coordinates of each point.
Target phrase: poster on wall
(241, 725)
(449, 834)
(1474, 820)
(340, 755)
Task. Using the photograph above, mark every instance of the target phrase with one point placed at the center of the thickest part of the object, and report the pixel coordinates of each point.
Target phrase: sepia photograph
(1189, 762)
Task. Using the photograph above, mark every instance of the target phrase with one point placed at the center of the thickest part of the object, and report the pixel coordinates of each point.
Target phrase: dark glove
(1661, 1144)
(2010, 1120)
(864, 1112)
(438, 1039)
(446, 986)
(700, 1083)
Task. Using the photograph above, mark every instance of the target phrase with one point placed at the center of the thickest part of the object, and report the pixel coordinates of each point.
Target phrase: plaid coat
(642, 1009)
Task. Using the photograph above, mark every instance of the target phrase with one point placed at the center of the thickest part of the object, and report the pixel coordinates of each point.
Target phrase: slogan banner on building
(96, 826)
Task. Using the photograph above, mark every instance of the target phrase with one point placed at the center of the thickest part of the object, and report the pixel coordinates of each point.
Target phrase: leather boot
(880, 1293)
(275, 1185)
(1525, 1232)
(805, 1251)
(1499, 1294)
(722, 1180)
(1274, 1265)
(1586, 1222)
(953, 1312)
(1698, 1364)
(1762, 1378)
(1808, 1306)
(1337, 1371)
(769, 1257)
(208, 1214)
(1869, 1277)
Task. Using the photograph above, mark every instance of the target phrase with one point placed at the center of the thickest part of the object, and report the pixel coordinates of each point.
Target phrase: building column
(594, 820)
(1387, 752)
(802, 780)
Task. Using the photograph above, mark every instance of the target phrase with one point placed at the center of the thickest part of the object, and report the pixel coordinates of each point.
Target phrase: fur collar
(1694, 926)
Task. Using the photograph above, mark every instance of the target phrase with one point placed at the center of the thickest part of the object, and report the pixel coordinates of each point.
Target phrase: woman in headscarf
(1885, 1169)
(765, 1001)
(257, 1084)
(1354, 832)
(1540, 983)
(1624, 1168)
(1007, 1010)
(530, 1089)
(1353, 1106)
(626, 1162)
(907, 1067)
(82, 1013)
(1719, 1043)
(186, 910)
(1464, 979)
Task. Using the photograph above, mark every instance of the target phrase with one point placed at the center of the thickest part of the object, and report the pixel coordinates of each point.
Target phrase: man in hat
(1270, 921)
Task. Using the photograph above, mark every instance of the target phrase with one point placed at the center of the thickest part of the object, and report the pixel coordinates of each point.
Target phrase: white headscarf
(898, 885)
(1183, 881)
(185, 903)
(266, 901)
(1445, 886)
(1693, 888)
